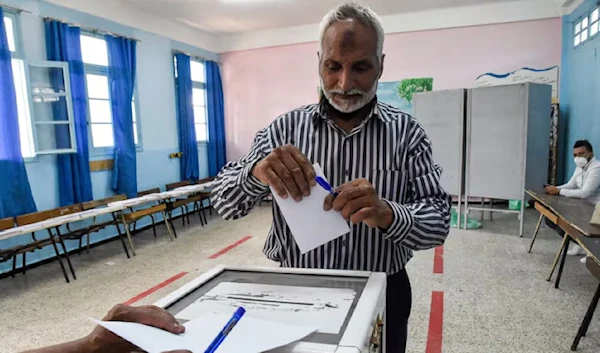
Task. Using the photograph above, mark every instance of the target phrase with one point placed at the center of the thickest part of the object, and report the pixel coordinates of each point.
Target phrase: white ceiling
(229, 25)
(237, 16)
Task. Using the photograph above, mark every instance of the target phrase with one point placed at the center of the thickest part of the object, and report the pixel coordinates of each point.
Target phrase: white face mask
(581, 162)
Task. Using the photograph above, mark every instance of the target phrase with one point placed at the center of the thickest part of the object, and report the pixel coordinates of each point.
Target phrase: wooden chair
(36, 244)
(96, 227)
(195, 199)
(9, 253)
(129, 218)
(180, 202)
(144, 193)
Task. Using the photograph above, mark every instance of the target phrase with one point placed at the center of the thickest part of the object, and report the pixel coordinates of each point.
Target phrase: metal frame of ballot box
(362, 331)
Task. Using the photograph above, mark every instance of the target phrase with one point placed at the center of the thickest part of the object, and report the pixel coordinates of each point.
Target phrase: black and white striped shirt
(389, 148)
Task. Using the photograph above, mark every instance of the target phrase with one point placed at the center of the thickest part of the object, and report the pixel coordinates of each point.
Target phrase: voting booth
(347, 307)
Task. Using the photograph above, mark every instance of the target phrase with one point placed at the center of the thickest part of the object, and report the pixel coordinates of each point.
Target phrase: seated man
(102, 340)
(584, 184)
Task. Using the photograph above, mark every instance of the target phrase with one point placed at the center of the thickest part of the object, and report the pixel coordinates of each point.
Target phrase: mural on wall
(547, 76)
(400, 93)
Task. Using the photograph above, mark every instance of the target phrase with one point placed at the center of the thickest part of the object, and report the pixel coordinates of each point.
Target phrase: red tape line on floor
(223, 251)
(436, 323)
(155, 288)
(438, 260)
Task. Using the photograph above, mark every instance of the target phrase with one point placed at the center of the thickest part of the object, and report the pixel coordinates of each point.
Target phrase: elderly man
(379, 157)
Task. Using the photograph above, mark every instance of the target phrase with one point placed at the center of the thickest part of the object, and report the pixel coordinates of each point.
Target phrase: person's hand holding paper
(358, 202)
(311, 225)
(287, 171)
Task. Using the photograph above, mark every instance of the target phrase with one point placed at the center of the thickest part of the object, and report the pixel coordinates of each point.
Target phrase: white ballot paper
(250, 335)
(310, 224)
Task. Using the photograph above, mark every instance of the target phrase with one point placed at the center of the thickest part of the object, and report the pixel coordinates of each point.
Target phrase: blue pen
(325, 185)
(226, 330)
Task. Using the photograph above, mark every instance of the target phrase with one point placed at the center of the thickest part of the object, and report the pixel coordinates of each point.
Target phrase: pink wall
(261, 84)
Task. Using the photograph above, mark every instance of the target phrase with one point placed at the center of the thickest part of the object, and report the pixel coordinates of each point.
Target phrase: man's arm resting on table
(591, 184)
(571, 184)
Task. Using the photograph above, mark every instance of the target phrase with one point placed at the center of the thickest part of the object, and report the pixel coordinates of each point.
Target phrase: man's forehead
(348, 33)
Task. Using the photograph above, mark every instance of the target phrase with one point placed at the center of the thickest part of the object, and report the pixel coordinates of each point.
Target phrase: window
(94, 53)
(20, 79)
(581, 31)
(199, 100)
(594, 24)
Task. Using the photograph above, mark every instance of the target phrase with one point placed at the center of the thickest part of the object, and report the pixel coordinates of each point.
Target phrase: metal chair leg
(126, 226)
(80, 242)
(562, 263)
(587, 319)
(557, 257)
(14, 266)
(154, 224)
(535, 233)
(24, 269)
(87, 243)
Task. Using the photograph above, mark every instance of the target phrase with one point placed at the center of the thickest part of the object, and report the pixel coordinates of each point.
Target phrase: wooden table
(573, 216)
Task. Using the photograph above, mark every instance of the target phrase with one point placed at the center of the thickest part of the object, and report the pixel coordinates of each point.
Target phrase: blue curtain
(121, 69)
(15, 192)
(74, 180)
(217, 154)
(189, 166)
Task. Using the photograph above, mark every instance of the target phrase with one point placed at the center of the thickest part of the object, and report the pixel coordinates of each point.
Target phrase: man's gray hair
(356, 11)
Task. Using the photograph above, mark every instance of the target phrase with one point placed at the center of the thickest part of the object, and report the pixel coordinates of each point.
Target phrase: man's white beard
(350, 107)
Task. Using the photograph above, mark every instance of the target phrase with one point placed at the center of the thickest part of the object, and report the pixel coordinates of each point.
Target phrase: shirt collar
(320, 112)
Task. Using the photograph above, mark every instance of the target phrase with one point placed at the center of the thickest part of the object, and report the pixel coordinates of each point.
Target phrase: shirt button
(347, 172)
(344, 242)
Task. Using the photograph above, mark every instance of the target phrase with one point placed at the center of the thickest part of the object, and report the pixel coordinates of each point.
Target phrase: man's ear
(381, 66)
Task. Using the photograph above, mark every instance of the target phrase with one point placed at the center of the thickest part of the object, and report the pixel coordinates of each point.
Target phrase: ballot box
(347, 307)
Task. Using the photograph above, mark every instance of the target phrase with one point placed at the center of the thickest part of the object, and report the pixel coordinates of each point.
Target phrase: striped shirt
(389, 148)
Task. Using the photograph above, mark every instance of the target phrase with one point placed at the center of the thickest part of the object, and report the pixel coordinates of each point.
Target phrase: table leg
(586, 320)
(562, 262)
(562, 245)
(535, 233)
(62, 244)
(120, 235)
(126, 226)
(167, 224)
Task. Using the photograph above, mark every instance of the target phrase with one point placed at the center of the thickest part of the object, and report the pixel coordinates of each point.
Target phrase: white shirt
(585, 183)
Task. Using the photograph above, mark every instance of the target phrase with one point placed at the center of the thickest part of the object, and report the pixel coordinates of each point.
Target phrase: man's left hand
(552, 190)
(358, 202)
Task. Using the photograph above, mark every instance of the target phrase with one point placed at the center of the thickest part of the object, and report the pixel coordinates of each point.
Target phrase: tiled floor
(496, 298)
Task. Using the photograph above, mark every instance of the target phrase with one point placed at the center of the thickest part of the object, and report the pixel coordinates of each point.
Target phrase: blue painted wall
(156, 92)
(579, 88)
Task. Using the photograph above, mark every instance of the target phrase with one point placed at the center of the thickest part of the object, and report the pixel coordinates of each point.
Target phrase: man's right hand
(288, 171)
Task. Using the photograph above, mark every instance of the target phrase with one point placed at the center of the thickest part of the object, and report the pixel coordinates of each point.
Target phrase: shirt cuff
(249, 183)
(563, 192)
(402, 224)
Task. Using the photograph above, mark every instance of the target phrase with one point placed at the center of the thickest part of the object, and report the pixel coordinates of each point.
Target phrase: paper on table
(250, 335)
(310, 224)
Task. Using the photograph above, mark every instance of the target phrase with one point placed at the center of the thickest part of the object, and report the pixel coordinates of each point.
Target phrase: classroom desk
(594, 267)
(573, 216)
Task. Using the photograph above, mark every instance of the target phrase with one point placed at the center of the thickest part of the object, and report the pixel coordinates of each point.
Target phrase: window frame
(597, 23)
(202, 86)
(19, 54)
(68, 100)
(100, 70)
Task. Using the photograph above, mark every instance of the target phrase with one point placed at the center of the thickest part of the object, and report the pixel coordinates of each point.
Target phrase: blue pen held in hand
(325, 185)
(226, 330)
